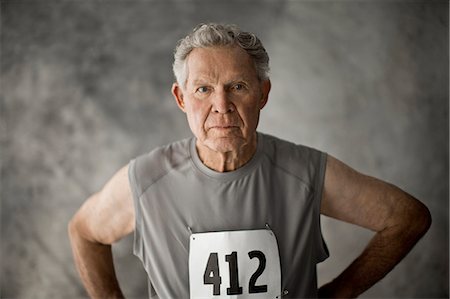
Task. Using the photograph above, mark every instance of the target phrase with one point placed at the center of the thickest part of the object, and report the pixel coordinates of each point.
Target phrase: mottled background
(86, 87)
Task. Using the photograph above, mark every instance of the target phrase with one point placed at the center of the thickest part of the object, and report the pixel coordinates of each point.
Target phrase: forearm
(94, 263)
(382, 254)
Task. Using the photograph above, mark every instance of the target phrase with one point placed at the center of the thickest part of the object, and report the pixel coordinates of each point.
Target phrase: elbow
(409, 218)
(424, 219)
(72, 229)
(76, 228)
(418, 220)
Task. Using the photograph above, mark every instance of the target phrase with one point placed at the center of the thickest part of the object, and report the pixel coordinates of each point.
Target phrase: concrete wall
(86, 87)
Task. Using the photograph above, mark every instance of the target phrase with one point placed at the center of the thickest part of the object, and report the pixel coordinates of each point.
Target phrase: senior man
(232, 212)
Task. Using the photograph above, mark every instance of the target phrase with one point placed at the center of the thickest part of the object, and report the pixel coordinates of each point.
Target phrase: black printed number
(252, 288)
(212, 274)
(234, 288)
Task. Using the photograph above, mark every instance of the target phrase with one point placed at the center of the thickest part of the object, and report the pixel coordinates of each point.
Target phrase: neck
(227, 161)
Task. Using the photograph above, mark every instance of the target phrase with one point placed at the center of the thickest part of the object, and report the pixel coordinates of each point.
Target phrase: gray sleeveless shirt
(176, 195)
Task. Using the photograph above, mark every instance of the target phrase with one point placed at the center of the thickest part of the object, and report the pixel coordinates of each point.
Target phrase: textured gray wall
(86, 87)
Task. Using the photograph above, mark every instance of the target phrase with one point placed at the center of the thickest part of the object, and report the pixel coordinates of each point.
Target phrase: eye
(238, 86)
(202, 89)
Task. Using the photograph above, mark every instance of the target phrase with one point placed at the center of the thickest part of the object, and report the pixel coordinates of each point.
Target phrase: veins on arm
(398, 219)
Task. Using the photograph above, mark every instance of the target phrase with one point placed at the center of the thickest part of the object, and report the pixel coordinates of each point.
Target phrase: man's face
(222, 97)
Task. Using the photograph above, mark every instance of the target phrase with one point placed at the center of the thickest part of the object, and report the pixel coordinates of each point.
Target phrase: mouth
(223, 130)
(222, 127)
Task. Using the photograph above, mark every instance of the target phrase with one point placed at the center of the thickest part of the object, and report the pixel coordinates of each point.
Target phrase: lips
(223, 127)
(222, 123)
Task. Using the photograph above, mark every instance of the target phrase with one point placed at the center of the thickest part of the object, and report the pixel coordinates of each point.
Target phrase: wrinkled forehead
(220, 63)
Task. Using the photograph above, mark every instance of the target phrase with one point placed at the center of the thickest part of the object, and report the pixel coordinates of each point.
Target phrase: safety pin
(284, 293)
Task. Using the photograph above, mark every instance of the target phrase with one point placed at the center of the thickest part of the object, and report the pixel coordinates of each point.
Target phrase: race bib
(234, 264)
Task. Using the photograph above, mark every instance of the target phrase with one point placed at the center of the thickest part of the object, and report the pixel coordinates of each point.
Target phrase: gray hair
(216, 35)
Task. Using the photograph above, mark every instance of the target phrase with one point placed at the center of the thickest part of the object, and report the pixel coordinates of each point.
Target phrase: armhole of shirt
(322, 250)
(137, 243)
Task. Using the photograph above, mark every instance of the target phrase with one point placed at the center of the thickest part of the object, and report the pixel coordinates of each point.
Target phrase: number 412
(212, 275)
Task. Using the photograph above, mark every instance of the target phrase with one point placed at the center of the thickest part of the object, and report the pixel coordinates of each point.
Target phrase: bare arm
(103, 219)
(399, 220)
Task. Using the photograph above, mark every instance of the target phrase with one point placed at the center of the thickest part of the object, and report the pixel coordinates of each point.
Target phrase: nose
(221, 103)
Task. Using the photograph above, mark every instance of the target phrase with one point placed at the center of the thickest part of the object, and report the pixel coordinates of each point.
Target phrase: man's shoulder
(287, 150)
(149, 167)
(301, 161)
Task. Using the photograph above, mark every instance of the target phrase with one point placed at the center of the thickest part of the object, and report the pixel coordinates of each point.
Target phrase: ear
(177, 93)
(265, 86)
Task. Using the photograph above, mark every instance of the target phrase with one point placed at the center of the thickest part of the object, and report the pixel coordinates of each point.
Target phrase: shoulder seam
(309, 186)
(163, 175)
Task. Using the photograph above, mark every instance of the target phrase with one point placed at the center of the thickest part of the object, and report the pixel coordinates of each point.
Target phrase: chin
(225, 144)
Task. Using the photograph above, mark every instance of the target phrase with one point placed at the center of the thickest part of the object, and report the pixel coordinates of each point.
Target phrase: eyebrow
(200, 81)
(206, 81)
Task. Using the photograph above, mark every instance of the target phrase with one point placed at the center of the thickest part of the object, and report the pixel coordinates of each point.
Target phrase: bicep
(363, 200)
(108, 215)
